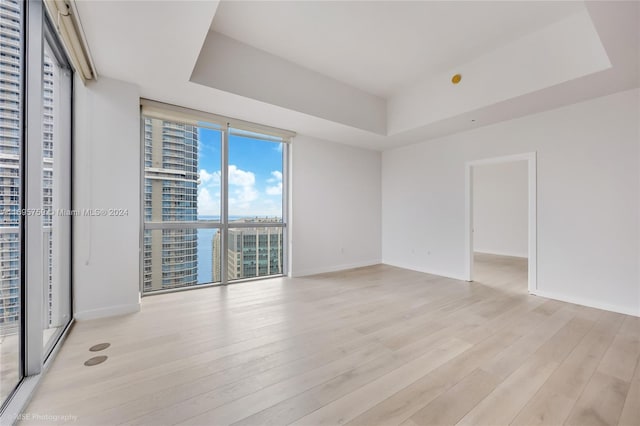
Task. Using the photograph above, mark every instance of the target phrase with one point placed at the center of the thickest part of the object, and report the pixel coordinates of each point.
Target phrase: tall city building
(216, 256)
(10, 151)
(48, 124)
(252, 252)
(170, 194)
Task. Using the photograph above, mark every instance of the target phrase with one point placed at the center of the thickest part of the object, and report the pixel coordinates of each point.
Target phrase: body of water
(205, 255)
(205, 251)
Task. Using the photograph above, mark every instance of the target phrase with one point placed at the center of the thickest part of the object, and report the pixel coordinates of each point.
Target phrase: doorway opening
(504, 241)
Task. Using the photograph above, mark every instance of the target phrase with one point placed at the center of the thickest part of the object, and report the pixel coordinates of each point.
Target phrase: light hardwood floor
(370, 346)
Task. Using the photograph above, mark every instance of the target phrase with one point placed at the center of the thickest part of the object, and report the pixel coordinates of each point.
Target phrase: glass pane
(182, 172)
(10, 193)
(182, 182)
(56, 184)
(255, 178)
(209, 161)
(254, 252)
(175, 258)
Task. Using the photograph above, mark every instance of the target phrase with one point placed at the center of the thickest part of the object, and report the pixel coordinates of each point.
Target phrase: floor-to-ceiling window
(255, 234)
(214, 209)
(56, 185)
(11, 159)
(35, 183)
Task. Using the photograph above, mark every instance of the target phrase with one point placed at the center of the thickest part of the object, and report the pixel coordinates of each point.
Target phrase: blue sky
(255, 178)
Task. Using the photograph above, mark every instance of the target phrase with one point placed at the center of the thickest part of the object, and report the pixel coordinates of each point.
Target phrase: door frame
(532, 242)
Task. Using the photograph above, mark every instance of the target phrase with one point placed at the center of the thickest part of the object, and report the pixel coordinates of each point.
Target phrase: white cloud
(277, 180)
(205, 176)
(242, 195)
(242, 191)
(274, 190)
(277, 176)
(208, 205)
(244, 198)
(240, 177)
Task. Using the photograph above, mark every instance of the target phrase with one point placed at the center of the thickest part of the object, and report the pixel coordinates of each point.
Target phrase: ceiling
(367, 73)
(382, 46)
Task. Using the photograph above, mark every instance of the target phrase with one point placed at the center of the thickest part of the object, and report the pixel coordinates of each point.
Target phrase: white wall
(588, 199)
(336, 204)
(335, 214)
(500, 208)
(106, 175)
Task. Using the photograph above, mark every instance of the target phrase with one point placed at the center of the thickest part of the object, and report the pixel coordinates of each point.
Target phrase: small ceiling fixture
(456, 79)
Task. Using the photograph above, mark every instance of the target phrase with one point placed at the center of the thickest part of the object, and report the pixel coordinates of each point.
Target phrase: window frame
(157, 110)
(35, 357)
(62, 157)
(39, 32)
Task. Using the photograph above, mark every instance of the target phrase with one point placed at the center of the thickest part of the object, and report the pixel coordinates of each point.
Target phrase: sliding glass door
(56, 194)
(11, 193)
(35, 184)
(213, 201)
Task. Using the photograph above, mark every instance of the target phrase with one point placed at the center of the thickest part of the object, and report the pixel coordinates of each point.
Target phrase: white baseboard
(111, 311)
(498, 253)
(444, 274)
(335, 268)
(586, 302)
